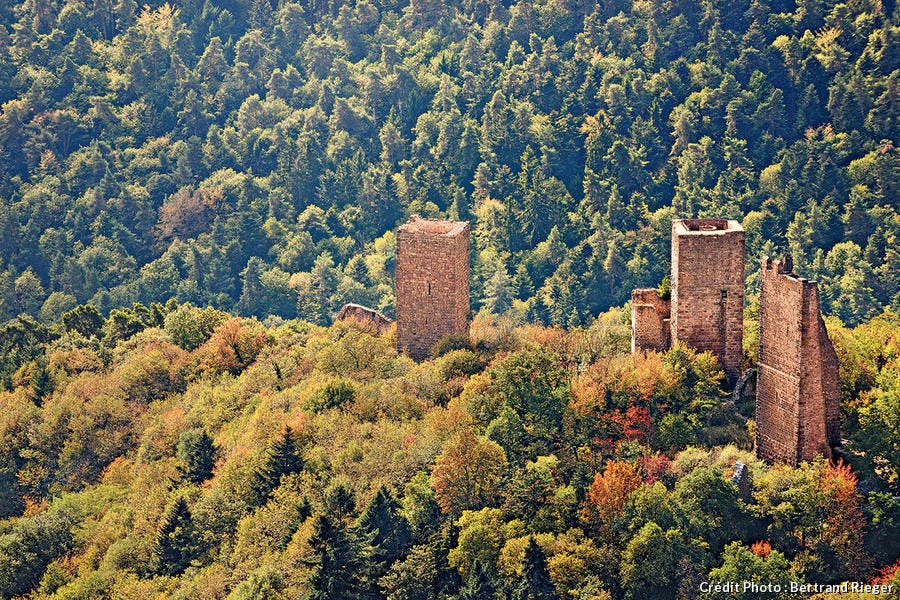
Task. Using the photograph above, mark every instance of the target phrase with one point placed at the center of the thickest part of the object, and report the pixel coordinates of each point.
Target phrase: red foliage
(888, 574)
(654, 467)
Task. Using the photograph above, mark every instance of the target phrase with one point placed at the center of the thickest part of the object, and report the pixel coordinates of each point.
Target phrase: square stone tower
(797, 393)
(432, 283)
(708, 288)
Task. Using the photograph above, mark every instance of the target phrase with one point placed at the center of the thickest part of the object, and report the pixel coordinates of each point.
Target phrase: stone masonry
(649, 320)
(708, 288)
(432, 283)
(368, 317)
(797, 401)
(706, 309)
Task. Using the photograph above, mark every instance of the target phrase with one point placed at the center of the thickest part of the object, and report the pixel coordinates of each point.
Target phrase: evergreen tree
(281, 459)
(388, 531)
(41, 384)
(340, 562)
(197, 450)
(84, 319)
(479, 585)
(536, 583)
(173, 548)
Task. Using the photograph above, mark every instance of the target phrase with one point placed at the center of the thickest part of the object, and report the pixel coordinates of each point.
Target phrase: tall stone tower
(432, 282)
(797, 393)
(708, 288)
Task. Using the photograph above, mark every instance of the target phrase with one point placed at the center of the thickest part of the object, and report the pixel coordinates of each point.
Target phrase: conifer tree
(388, 533)
(340, 562)
(479, 585)
(281, 459)
(196, 448)
(536, 583)
(173, 549)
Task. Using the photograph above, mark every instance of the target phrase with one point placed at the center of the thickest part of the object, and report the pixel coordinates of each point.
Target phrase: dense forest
(257, 158)
(186, 453)
(190, 190)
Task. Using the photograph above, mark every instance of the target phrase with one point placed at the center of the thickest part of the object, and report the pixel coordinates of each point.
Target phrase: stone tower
(432, 283)
(797, 394)
(650, 317)
(707, 306)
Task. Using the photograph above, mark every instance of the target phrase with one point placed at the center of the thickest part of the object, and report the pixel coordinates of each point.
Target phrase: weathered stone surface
(649, 320)
(370, 317)
(708, 288)
(432, 283)
(743, 481)
(797, 396)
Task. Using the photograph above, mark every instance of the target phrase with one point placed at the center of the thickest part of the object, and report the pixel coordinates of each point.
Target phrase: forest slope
(207, 456)
(242, 155)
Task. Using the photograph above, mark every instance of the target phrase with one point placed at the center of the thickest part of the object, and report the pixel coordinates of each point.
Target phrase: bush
(450, 342)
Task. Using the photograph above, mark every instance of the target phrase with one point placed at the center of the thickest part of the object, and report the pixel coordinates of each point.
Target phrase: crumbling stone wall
(370, 317)
(432, 283)
(708, 288)
(797, 397)
(649, 320)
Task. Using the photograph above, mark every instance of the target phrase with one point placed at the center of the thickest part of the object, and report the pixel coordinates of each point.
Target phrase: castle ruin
(797, 396)
(432, 283)
(365, 316)
(706, 308)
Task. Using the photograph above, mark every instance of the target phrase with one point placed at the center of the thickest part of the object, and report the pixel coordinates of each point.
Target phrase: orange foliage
(761, 548)
(232, 347)
(620, 380)
(34, 506)
(844, 516)
(609, 491)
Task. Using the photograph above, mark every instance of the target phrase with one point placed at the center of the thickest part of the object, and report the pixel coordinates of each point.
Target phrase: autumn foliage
(467, 472)
(609, 491)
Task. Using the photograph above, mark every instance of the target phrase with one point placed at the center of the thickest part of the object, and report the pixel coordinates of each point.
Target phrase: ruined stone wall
(708, 288)
(797, 407)
(369, 317)
(649, 320)
(432, 283)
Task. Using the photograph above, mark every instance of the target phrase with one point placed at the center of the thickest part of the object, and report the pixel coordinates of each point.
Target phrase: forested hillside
(257, 158)
(190, 190)
(197, 455)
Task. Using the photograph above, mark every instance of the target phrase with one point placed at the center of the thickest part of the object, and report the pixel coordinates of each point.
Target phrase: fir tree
(479, 584)
(197, 450)
(339, 501)
(339, 564)
(536, 583)
(281, 459)
(173, 548)
(388, 533)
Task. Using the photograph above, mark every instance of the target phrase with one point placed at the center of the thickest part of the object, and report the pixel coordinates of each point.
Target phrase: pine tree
(173, 548)
(479, 584)
(196, 448)
(388, 533)
(340, 561)
(536, 583)
(282, 459)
